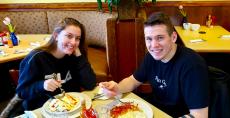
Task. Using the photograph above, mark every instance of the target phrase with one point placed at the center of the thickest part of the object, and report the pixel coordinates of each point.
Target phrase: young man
(178, 76)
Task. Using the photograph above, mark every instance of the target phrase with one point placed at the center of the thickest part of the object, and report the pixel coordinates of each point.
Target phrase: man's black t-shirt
(178, 85)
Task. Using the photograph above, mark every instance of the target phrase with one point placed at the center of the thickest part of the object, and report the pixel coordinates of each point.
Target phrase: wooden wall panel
(195, 14)
(126, 47)
(129, 47)
(223, 17)
(197, 11)
(139, 41)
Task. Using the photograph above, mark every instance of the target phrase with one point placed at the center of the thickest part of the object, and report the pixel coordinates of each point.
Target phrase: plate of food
(68, 105)
(131, 108)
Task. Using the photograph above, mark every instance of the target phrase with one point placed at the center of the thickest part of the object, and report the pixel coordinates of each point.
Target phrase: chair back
(219, 103)
(14, 74)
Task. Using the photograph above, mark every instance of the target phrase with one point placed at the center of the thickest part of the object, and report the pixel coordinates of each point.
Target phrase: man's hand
(109, 88)
(128, 84)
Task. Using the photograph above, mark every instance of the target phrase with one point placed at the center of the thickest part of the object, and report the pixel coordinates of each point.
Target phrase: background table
(25, 43)
(212, 43)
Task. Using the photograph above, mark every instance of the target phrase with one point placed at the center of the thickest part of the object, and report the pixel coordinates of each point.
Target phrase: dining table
(213, 39)
(157, 113)
(27, 42)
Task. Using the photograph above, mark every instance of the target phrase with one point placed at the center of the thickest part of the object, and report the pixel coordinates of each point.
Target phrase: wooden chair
(14, 74)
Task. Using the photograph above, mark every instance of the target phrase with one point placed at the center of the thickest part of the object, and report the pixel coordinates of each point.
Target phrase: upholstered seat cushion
(94, 22)
(97, 59)
(30, 22)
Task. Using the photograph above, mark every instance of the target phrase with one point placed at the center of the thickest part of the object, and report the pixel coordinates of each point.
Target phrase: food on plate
(63, 104)
(127, 110)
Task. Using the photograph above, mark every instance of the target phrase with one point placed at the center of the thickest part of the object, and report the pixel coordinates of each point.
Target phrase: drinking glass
(103, 111)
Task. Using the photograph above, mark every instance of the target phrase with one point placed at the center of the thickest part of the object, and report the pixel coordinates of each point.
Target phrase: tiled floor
(3, 104)
(4, 101)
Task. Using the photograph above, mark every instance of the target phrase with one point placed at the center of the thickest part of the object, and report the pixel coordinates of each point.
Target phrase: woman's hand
(51, 84)
(110, 88)
(77, 52)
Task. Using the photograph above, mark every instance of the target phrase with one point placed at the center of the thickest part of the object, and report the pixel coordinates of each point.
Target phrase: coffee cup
(195, 27)
(186, 26)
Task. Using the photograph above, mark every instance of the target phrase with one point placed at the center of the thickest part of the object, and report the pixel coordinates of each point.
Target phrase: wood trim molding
(188, 3)
(83, 6)
(93, 5)
(139, 41)
(112, 48)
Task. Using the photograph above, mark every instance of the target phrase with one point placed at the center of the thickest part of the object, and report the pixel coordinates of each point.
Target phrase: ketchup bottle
(87, 113)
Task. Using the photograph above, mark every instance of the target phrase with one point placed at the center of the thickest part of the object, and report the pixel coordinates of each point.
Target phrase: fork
(98, 96)
(62, 92)
(58, 77)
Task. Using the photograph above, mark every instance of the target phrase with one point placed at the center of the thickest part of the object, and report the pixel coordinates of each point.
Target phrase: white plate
(68, 115)
(72, 111)
(141, 104)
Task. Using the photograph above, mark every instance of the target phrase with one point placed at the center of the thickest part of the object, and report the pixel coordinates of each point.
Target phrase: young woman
(63, 56)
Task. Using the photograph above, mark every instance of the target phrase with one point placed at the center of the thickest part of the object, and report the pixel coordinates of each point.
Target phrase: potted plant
(13, 37)
(127, 9)
(183, 14)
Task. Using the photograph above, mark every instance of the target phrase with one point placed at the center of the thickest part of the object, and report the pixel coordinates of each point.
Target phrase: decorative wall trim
(189, 3)
(84, 6)
(93, 5)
